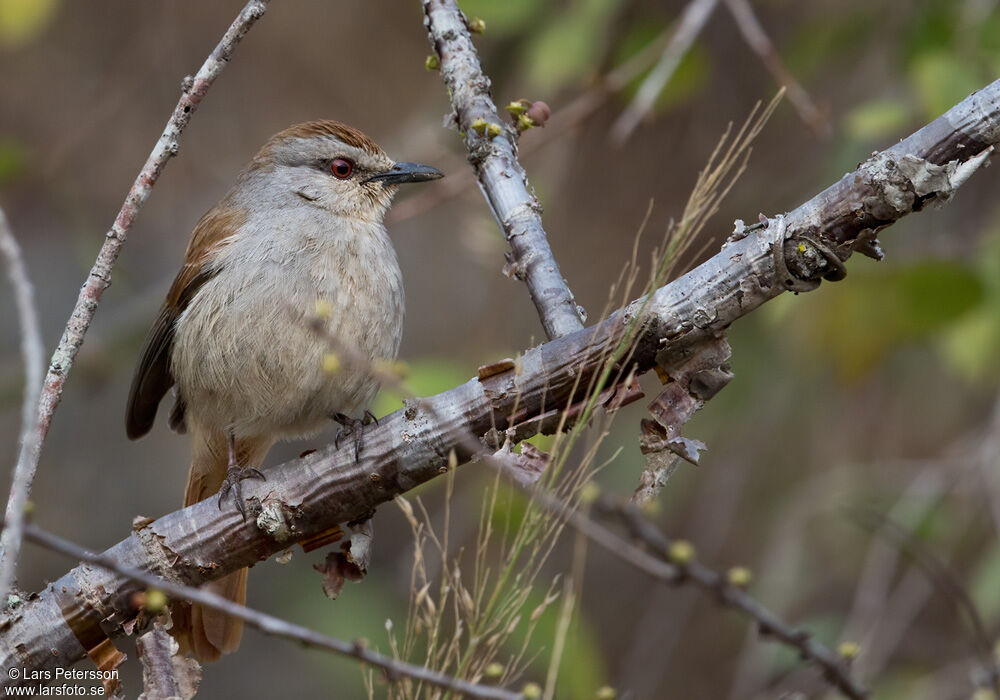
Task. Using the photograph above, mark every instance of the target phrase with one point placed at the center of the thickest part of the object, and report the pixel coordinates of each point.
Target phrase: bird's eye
(341, 168)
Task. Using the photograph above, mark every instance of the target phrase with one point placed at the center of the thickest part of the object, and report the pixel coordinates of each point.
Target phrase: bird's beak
(406, 172)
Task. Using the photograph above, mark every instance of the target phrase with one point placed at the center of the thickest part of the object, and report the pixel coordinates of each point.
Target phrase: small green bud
(849, 650)
(589, 493)
(479, 126)
(477, 26)
(331, 363)
(739, 576)
(494, 130)
(524, 122)
(156, 600)
(494, 670)
(323, 308)
(432, 63)
(606, 692)
(681, 552)
(517, 108)
(652, 508)
(395, 368)
(531, 691)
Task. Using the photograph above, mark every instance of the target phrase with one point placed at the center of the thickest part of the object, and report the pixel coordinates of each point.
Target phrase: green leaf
(13, 160)
(858, 322)
(986, 583)
(424, 377)
(690, 77)
(564, 52)
(821, 42)
(972, 347)
(877, 119)
(502, 18)
(23, 20)
(942, 78)
(931, 28)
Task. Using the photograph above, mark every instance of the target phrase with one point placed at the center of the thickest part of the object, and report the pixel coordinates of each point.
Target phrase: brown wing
(152, 378)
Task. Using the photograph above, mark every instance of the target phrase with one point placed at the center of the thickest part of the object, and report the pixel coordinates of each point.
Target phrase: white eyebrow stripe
(358, 155)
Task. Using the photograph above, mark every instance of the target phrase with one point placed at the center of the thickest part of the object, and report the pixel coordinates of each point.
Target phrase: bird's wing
(152, 378)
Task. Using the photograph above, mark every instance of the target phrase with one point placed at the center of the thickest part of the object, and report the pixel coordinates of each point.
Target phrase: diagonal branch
(760, 43)
(33, 352)
(694, 18)
(493, 155)
(411, 446)
(660, 564)
(100, 274)
(269, 624)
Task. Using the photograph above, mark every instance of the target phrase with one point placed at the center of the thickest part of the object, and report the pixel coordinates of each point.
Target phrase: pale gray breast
(245, 357)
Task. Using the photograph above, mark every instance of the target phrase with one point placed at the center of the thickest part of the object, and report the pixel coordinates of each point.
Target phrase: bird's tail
(203, 633)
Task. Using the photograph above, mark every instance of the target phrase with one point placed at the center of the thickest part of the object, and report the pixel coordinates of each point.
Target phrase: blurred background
(879, 393)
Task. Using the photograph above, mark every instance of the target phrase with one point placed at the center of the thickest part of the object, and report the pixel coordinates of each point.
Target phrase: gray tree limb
(493, 155)
(411, 446)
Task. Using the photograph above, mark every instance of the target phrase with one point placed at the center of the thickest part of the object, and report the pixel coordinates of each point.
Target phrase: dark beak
(406, 172)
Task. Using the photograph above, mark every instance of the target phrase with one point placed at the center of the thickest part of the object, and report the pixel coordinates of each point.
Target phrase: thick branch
(503, 180)
(100, 274)
(305, 497)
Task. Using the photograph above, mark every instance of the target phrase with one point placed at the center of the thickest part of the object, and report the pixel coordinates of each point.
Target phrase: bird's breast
(248, 355)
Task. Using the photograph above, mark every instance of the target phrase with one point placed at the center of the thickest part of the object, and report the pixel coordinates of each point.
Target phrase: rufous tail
(203, 633)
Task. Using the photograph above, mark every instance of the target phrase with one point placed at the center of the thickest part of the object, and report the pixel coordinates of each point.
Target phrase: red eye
(341, 168)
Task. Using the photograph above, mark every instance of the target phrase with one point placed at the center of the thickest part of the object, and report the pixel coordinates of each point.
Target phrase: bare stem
(760, 43)
(835, 670)
(33, 353)
(693, 20)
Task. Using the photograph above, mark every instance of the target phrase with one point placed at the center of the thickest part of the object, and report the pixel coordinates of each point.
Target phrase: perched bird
(302, 226)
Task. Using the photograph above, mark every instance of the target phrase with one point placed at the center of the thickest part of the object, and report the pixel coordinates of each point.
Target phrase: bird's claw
(234, 475)
(355, 427)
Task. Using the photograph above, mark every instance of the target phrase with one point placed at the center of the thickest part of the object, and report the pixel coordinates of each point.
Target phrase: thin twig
(194, 90)
(493, 155)
(942, 577)
(693, 20)
(33, 353)
(268, 624)
(835, 670)
(761, 44)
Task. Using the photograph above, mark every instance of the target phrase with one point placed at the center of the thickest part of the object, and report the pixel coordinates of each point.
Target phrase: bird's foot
(234, 475)
(353, 427)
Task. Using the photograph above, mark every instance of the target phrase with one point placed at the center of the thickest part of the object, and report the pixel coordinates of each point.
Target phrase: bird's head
(335, 167)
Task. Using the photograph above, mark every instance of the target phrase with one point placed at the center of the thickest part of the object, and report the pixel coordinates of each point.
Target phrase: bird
(301, 229)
